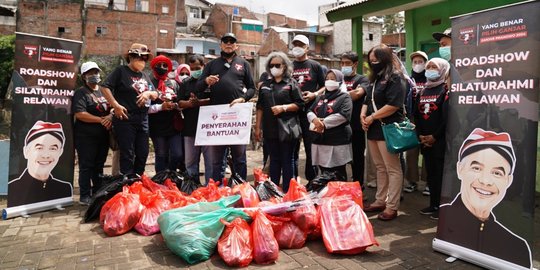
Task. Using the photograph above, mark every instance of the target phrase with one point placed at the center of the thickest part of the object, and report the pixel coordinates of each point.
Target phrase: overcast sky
(298, 9)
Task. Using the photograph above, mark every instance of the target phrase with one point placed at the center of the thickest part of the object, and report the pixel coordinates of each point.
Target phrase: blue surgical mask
(347, 70)
(445, 53)
(196, 73)
(432, 75)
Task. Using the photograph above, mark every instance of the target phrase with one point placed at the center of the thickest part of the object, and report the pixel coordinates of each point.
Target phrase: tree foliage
(7, 60)
(393, 23)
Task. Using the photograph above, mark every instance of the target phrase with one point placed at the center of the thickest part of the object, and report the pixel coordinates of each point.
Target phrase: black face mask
(161, 71)
(226, 54)
(377, 67)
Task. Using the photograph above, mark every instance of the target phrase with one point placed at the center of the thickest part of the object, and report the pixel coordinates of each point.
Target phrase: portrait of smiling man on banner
(43, 146)
(485, 167)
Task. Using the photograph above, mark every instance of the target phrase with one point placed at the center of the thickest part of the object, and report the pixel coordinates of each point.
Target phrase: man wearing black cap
(485, 167)
(230, 81)
(43, 146)
(445, 43)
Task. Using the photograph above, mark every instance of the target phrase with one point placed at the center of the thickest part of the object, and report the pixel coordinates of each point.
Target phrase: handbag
(288, 129)
(399, 136)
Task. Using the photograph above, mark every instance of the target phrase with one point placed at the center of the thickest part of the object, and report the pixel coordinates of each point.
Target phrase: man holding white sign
(230, 81)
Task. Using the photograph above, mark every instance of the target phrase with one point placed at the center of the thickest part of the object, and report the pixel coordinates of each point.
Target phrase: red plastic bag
(151, 185)
(290, 236)
(210, 193)
(259, 175)
(336, 189)
(120, 213)
(235, 246)
(266, 247)
(154, 205)
(345, 227)
(248, 194)
(306, 216)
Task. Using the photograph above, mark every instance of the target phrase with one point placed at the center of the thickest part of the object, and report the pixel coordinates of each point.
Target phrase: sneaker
(426, 191)
(429, 210)
(372, 184)
(435, 215)
(411, 187)
(85, 201)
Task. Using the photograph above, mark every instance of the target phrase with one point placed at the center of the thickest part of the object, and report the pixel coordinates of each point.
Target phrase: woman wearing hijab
(387, 91)
(279, 96)
(182, 72)
(330, 117)
(91, 130)
(166, 137)
(431, 114)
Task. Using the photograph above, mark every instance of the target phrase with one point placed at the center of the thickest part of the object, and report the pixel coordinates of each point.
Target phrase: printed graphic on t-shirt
(239, 67)
(139, 84)
(302, 76)
(349, 85)
(329, 105)
(427, 105)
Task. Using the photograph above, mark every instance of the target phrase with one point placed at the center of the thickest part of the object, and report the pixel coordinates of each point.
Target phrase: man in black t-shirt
(356, 87)
(310, 77)
(230, 81)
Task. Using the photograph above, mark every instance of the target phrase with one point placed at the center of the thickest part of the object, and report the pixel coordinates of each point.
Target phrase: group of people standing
(332, 111)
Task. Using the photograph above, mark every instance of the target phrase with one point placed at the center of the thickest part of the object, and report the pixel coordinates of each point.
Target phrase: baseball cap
(228, 36)
(447, 33)
(418, 53)
(302, 39)
(88, 66)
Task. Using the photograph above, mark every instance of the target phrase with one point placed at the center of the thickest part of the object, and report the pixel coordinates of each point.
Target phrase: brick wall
(219, 21)
(123, 29)
(7, 29)
(45, 19)
(272, 42)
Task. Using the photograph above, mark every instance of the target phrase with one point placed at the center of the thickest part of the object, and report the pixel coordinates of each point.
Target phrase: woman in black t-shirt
(132, 92)
(387, 91)
(280, 97)
(91, 131)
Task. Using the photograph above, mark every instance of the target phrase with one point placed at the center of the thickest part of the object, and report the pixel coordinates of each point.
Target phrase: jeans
(92, 152)
(169, 150)
(216, 156)
(282, 161)
(132, 137)
(193, 158)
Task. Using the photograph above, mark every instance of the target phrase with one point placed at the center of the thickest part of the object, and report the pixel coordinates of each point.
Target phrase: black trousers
(434, 168)
(358, 148)
(310, 170)
(92, 152)
(339, 170)
(132, 136)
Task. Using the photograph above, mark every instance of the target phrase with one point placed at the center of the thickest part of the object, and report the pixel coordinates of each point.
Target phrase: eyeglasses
(143, 57)
(228, 41)
(183, 74)
(274, 65)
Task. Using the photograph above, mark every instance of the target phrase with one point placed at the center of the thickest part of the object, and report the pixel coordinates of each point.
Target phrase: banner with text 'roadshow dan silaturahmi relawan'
(487, 199)
(41, 148)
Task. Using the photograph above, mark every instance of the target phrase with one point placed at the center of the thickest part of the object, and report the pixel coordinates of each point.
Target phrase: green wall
(418, 22)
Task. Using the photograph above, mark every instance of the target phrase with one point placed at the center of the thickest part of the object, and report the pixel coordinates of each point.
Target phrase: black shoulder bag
(288, 129)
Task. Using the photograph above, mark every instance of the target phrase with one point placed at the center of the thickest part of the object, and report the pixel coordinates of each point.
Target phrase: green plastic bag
(192, 232)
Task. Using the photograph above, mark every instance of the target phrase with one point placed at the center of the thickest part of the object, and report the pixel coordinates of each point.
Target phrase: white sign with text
(224, 125)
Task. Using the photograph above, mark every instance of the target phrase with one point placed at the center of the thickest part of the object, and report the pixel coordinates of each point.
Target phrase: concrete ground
(59, 240)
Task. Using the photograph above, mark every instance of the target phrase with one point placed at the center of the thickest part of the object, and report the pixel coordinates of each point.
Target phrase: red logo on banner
(30, 50)
(466, 34)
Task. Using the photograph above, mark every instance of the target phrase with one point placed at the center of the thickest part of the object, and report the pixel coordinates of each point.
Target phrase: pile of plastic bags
(244, 223)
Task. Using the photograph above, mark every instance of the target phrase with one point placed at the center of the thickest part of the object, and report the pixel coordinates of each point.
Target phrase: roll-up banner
(41, 148)
(487, 199)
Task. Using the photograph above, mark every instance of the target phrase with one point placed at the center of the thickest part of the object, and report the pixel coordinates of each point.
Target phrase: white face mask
(183, 77)
(276, 71)
(331, 85)
(298, 51)
(419, 68)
